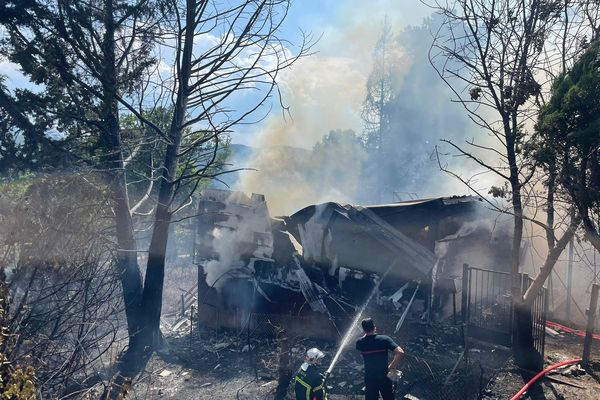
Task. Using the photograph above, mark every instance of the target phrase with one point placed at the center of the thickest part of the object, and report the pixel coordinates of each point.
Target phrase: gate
(486, 305)
(487, 308)
(539, 309)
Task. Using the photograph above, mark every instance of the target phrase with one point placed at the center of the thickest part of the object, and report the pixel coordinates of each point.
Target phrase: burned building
(323, 261)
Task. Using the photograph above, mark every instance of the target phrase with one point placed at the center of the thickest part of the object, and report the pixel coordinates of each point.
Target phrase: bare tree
(499, 58)
(63, 314)
(220, 50)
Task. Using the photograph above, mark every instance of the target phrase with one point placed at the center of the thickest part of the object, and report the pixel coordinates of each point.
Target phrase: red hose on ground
(556, 325)
(539, 375)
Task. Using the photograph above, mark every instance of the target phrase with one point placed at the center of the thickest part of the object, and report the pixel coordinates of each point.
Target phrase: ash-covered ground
(221, 365)
(226, 364)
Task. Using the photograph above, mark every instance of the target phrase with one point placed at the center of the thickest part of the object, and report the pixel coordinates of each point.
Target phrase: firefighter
(310, 383)
(380, 377)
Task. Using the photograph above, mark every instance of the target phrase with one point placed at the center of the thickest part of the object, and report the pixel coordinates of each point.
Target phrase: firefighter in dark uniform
(379, 375)
(309, 382)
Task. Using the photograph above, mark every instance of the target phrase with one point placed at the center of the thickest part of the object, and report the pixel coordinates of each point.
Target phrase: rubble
(329, 256)
(551, 332)
(574, 370)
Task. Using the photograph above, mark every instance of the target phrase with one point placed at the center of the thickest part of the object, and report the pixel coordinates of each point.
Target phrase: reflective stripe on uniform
(306, 385)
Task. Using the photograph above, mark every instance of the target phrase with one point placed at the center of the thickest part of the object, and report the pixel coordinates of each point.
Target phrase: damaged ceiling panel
(355, 237)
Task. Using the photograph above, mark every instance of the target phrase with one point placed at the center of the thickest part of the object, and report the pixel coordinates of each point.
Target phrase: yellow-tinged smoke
(324, 92)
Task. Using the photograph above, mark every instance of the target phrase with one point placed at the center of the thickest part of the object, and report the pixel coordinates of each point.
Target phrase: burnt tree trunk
(151, 306)
(551, 259)
(127, 265)
(284, 370)
(153, 283)
(526, 356)
(518, 215)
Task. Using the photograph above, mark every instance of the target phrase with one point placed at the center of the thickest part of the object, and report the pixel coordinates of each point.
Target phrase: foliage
(381, 85)
(62, 48)
(16, 382)
(24, 146)
(376, 112)
(334, 155)
(568, 137)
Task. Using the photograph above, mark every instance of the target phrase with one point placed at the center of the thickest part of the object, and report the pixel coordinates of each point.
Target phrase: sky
(325, 90)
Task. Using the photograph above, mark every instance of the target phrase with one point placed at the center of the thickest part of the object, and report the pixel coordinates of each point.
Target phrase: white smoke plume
(325, 92)
(235, 238)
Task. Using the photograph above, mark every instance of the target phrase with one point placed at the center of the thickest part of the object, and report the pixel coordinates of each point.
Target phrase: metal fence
(487, 305)
(539, 310)
(487, 308)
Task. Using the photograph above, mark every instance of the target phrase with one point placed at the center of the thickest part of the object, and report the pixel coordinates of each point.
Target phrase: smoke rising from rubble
(225, 243)
(230, 241)
(457, 249)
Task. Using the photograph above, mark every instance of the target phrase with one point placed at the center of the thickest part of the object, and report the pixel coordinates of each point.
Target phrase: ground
(566, 383)
(232, 365)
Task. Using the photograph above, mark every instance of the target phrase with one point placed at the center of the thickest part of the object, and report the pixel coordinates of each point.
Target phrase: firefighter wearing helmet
(309, 382)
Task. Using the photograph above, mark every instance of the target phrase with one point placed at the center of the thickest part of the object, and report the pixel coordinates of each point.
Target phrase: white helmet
(314, 354)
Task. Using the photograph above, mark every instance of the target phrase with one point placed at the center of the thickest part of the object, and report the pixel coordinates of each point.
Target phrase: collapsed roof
(371, 238)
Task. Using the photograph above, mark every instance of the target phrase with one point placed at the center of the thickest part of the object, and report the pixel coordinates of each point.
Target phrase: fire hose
(556, 325)
(539, 375)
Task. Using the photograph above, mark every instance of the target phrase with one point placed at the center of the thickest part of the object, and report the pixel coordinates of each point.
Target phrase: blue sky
(324, 91)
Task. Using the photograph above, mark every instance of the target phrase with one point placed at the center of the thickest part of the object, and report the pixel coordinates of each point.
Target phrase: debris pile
(321, 262)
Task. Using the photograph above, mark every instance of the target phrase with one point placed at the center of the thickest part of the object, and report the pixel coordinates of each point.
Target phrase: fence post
(465, 291)
(182, 311)
(191, 323)
(454, 307)
(464, 309)
(587, 344)
(284, 370)
(524, 283)
(569, 282)
(543, 329)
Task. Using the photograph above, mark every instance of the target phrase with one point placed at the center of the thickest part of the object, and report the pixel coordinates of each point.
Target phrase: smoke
(326, 92)
(483, 242)
(293, 178)
(234, 238)
(585, 271)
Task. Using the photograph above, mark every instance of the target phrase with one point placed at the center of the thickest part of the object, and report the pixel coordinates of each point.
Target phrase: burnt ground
(230, 365)
(566, 383)
(221, 365)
